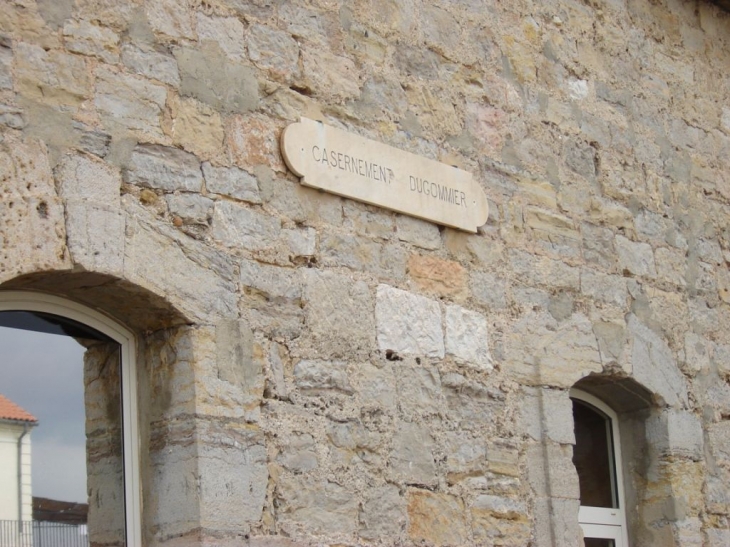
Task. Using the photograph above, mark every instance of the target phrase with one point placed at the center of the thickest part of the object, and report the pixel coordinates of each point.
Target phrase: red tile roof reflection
(10, 411)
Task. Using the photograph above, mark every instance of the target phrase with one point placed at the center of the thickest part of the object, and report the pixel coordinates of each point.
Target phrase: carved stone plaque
(365, 170)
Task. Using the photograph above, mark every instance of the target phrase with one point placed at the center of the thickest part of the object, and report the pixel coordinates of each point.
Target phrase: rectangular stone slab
(365, 170)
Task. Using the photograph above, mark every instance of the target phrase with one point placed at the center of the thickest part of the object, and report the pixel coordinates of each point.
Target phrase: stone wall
(318, 371)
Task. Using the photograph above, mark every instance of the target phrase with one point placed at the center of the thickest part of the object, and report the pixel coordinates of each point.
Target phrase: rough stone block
(418, 232)
(170, 19)
(329, 76)
(719, 439)
(151, 64)
(467, 338)
(88, 39)
(676, 433)
(635, 258)
(273, 50)
(465, 455)
(606, 288)
(96, 236)
(419, 391)
(437, 519)
(377, 385)
(168, 169)
(339, 313)
(86, 178)
(556, 522)
(227, 32)
(238, 226)
(412, 458)
(363, 254)
(273, 281)
(671, 265)
(534, 270)
(407, 323)
(194, 126)
(488, 289)
(54, 76)
(298, 454)
(191, 208)
(318, 376)
(301, 242)
(232, 182)
(654, 365)
(436, 276)
(134, 103)
(382, 514)
(547, 414)
(6, 62)
(550, 471)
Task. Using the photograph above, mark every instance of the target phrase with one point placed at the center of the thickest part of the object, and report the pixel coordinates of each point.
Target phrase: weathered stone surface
(419, 391)
(436, 518)
(87, 39)
(654, 365)
(465, 455)
(227, 32)
(339, 312)
(170, 19)
(273, 50)
(95, 236)
(635, 258)
(412, 458)
(81, 177)
(211, 77)
(241, 227)
(467, 337)
(362, 253)
(550, 471)
(547, 414)
(133, 103)
(383, 514)
(58, 77)
(317, 376)
(252, 142)
(330, 76)
(418, 232)
(676, 433)
(272, 281)
(165, 168)
(191, 208)
(298, 455)
(534, 270)
(231, 181)
(436, 276)
(152, 64)
(407, 323)
(606, 288)
(195, 127)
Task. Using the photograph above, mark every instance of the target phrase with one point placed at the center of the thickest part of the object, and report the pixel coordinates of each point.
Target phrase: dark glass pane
(593, 542)
(593, 456)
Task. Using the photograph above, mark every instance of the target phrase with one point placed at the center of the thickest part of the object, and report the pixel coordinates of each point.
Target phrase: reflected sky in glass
(43, 373)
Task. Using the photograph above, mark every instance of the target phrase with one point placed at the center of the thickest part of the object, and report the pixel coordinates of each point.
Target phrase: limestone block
(534, 270)
(232, 182)
(611, 341)
(93, 141)
(199, 282)
(717, 537)
(719, 440)
(635, 258)
(382, 514)
(654, 366)
(547, 414)
(407, 323)
(418, 232)
(488, 289)
(550, 471)
(211, 77)
(549, 225)
(671, 265)
(436, 276)
(467, 338)
(233, 477)
(301, 242)
(339, 312)
(170, 19)
(412, 456)
(253, 142)
(598, 246)
(130, 102)
(676, 433)
(53, 76)
(11, 117)
(194, 126)
(697, 351)
(227, 32)
(605, 288)
(725, 119)
(442, 32)
(81, 36)
(470, 403)
(273, 50)
(162, 167)
(331, 77)
(95, 236)
(151, 64)
(419, 391)
(273, 281)
(315, 506)
(86, 178)
(298, 454)
(299, 203)
(556, 522)
(191, 208)
(465, 455)
(437, 519)
(314, 377)
(367, 220)
(385, 260)
(542, 353)
(237, 226)
(6, 63)
(376, 385)
(708, 250)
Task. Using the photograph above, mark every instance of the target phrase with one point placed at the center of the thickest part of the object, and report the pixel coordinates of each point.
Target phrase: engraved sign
(365, 170)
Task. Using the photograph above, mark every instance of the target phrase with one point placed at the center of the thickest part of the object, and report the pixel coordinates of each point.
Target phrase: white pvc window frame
(603, 522)
(38, 302)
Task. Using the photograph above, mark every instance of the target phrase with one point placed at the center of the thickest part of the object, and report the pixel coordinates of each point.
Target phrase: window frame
(606, 522)
(39, 302)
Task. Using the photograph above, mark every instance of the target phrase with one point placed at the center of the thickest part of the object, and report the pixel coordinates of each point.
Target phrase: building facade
(299, 368)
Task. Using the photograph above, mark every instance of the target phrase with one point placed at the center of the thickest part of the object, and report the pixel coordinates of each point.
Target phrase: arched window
(597, 458)
(107, 342)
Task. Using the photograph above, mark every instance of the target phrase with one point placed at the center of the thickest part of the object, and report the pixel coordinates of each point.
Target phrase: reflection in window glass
(68, 376)
(593, 456)
(594, 542)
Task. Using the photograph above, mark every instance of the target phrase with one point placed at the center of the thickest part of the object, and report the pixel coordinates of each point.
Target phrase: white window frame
(38, 302)
(602, 522)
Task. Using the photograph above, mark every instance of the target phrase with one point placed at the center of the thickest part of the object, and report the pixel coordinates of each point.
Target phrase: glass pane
(68, 376)
(593, 456)
(594, 542)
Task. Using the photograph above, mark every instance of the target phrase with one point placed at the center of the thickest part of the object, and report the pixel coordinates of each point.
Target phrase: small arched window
(597, 458)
